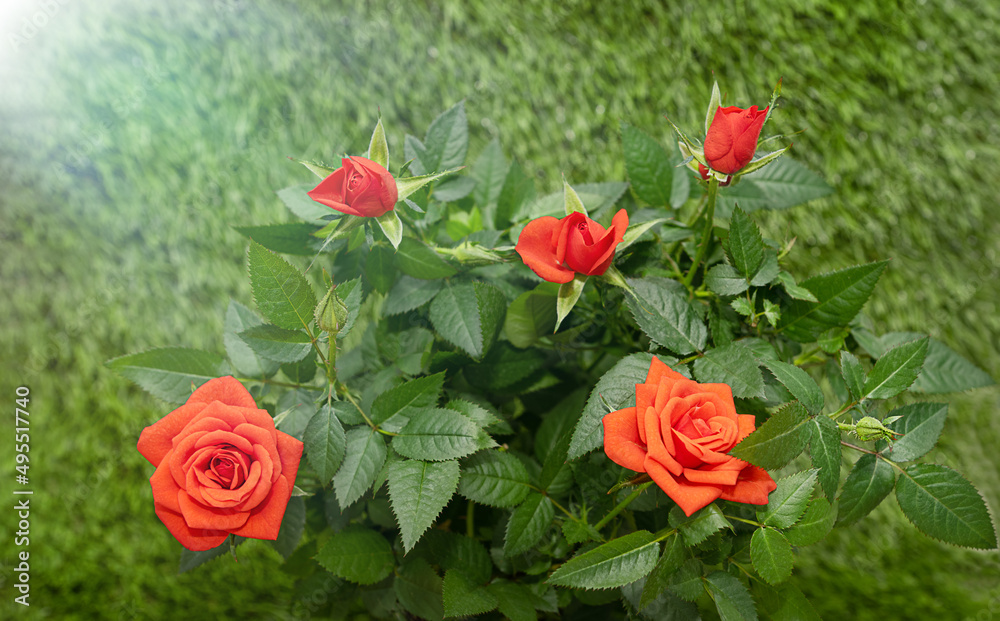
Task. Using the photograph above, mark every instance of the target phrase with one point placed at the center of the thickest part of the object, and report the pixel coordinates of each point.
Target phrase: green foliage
(840, 296)
(788, 502)
(325, 443)
(170, 373)
(778, 440)
(896, 370)
(866, 485)
(437, 434)
(943, 505)
(528, 523)
(358, 554)
(664, 314)
(416, 259)
(494, 478)
(418, 491)
(803, 388)
(815, 523)
(468, 315)
(419, 589)
(277, 344)
(462, 598)
(745, 247)
(732, 599)
(651, 169)
(734, 365)
(825, 450)
(780, 185)
(531, 316)
(919, 426)
(772, 555)
(363, 458)
(282, 293)
(613, 564)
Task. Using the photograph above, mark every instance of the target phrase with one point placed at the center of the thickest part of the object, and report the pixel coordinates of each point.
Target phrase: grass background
(132, 136)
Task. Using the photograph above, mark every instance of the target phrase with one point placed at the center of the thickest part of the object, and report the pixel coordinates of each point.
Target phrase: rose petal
(714, 477)
(290, 454)
(659, 446)
(194, 539)
(265, 521)
(225, 389)
(156, 440)
(752, 487)
(165, 489)
(622, 443)
(658, 371)
(199, 516)
(747, 425)
(689, 497)
(538, 252)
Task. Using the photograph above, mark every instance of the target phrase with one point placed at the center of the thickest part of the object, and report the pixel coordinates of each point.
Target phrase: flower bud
(331, 313)
(869, 428)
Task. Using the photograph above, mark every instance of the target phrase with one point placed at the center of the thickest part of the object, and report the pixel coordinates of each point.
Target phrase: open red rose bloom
(679, 433)
(221, 467)
(558, 249)
(732, 137)
(360, 187)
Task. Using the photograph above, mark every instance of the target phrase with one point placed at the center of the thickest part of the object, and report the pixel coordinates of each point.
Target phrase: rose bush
(221, 467)
(360, 187)
(731, 140)
(679, 432)
(557, 249)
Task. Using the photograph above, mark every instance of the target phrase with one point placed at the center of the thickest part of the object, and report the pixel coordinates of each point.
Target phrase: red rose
(221, 467)
(558, 249)
(360, 187)
(680, 432)
(732, 137)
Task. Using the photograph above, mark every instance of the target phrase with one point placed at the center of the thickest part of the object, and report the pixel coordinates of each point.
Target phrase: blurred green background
(133, 135)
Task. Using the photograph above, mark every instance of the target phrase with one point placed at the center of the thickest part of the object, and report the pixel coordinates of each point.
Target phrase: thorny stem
(618, 509)
(706, 236)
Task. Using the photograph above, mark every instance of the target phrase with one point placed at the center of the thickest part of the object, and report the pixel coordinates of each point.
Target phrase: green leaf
(784, 603)
(617, 389)
(780, 185)
(514, 600)
(503, 367)
(531, 316)
(170, 373)
(292, 525)
(378, 148)
(771, 555)
(363, 459)
(896, 370)
(768, 270)
(490, 172)
(815, 524)
(613, 564)
(245, 360)
(447, 140)
(744, 307)
(419, 589)
(518, 189)
(725, 280)
(793, 289)
(868, 483)
(854, 374)
(462, 598)
(734, 365)
(746, 246)
(413, 395)
(787, 503)
(325, 443)
(408, 185)
(920, 426)
(296, 198)
(732, 599)
(495, 479)
(289, 238)
(437, 434)
(674, 553)
(566, 298)
(946, 371)
(637, 230)
(277, 344)
(392, 226)
(320, 170)
(190, 559)
(650, 169)
(841, 295)
(282, 293)
(666, 316)
(357, 554)
(799, 383)
(409, 294)
(380, 268)
(468, 315)
(418, 492)
(596, 197)
(824, 448)
(943, 505)
(686, 583)
(528, 524)
(700, 525)
(418, 260)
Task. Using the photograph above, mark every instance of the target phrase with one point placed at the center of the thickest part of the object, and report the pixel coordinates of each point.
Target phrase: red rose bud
(732, 137)
(558, 249)
(705, 174)
(680, 433)
(221, 467)
(360, 187)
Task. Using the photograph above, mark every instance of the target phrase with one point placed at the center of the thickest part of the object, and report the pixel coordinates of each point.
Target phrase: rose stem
(706, 236)
(618, 509)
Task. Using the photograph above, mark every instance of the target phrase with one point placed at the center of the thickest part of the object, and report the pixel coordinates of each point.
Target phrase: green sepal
(569, 293)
